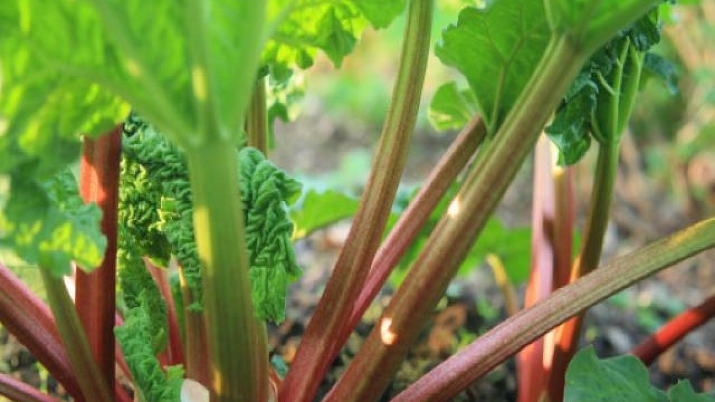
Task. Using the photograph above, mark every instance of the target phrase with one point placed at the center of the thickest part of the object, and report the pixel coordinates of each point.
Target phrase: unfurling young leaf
(136, 340)
(156, 218)
(264, 191)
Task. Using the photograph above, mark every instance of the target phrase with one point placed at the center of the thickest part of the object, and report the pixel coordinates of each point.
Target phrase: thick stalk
(356, 257)
(90, 378)
(371, 371)
(18, 391)
(257, 118)
(675, 330)
(237, 340)
(415, 216)
(95, 291)
(456, 373)
(29, 319)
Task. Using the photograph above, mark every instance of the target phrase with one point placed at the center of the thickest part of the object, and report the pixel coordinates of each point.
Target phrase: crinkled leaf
(683, 392)
(136, 339)
(496, 49)
(46, 223)
(451, 107)
(332, 26)
(264, 191)
(317, 209)
(155, 209)
(617, 379)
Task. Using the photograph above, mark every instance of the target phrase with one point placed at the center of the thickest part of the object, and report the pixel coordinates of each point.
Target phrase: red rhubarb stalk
(95, 297)
(674, 330)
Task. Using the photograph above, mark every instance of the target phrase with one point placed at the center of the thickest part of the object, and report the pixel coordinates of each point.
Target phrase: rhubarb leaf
(318, 209)
(156, 210)
(451, 107)
(619, 379)
(332, 26)
(136, 340)
(497, 50)
(587, 110)
(48, 224)
(264, 191)
(683, 392)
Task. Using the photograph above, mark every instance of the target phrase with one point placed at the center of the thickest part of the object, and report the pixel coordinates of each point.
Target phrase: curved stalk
(675, 330)
(18, 391)
(371, 371)
(29, 319)
(90, 378)
(356, 257)
(237, 340)
(456, 373)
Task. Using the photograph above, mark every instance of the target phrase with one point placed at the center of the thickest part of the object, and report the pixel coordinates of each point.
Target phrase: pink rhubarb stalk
(29, 319)
(459, 371)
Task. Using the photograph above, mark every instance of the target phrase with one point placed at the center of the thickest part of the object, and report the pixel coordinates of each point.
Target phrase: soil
(642, 212)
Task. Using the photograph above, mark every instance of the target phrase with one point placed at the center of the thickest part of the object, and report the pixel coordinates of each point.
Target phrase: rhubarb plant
(197, 217)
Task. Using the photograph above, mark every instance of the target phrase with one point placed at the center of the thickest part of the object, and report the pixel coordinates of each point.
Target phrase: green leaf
(332, 26)
(496, 49)
(48, 224)
(570, 128)
(264, 191)
(660, 67)
(610, 77)
(619, 379)
(136, 339)
(317, 209)
(380, 13)
(683, 392)
(452, 107)
(512, 245)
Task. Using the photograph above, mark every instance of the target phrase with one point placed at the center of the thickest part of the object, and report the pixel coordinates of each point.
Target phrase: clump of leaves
(604, 85)
(156, 219)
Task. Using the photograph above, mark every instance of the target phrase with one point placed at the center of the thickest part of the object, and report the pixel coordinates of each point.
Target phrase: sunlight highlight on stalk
(388, 337)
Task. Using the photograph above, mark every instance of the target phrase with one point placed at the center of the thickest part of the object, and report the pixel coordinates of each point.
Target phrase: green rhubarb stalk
(237, 340)
(257, 118)
(89, 377)
(353, 265)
